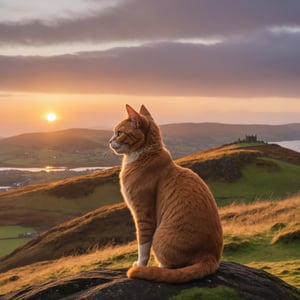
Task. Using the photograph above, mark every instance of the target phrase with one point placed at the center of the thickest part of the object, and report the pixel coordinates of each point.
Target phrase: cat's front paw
(138, 263)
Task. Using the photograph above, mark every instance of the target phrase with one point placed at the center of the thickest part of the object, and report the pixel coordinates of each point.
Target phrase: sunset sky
(229, 61)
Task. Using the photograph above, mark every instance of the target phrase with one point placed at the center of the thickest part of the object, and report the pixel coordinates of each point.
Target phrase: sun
(51, 117)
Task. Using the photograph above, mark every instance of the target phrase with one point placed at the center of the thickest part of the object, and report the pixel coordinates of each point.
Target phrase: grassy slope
(259, 181)
(43, 205)
(268, 175)
(251, 232)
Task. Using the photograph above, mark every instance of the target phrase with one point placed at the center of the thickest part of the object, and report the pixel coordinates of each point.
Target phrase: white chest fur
(131, 157)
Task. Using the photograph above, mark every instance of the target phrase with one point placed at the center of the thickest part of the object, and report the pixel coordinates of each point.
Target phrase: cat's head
(138, 131)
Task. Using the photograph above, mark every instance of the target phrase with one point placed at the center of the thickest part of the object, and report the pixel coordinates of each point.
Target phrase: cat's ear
(144, 111)
(134, 116)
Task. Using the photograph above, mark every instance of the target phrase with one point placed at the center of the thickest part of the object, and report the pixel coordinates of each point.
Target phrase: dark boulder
(111, 284)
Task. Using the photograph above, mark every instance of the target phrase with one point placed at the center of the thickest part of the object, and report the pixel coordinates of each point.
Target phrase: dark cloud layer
(157, 20)
(252, 61)
(259, 65)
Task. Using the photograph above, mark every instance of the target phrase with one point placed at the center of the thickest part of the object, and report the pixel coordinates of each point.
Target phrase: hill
(70, 148)
(263, 234)
(87, 147)
(235, 172)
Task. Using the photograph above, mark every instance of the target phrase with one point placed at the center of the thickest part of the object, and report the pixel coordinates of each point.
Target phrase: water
(293, 145)
(53, 169)
(47, 169)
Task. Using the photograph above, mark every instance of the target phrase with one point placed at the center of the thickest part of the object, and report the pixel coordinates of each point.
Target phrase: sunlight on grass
(287, 270)
(249, 230)
(40, 272)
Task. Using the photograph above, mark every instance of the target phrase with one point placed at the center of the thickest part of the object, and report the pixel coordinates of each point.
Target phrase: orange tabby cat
(173, 209)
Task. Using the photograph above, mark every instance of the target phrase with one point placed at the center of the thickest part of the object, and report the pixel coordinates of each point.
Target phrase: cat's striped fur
(173, 209)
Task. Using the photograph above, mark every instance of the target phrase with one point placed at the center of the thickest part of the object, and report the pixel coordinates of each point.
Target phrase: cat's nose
(112, 139)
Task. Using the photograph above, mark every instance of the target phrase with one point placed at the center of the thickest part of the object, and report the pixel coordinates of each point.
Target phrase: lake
(293, 145)
(53, 169)
(17, 181)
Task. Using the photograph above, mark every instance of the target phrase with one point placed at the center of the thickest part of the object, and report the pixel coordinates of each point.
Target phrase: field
(264, 235)
(267, 178)
(10, 240)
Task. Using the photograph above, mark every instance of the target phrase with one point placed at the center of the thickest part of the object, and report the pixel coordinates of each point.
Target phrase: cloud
(261, 64)
(156, 20)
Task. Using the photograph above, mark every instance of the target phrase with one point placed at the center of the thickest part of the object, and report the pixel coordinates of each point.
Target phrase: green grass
(122, 260)
(7, 246)
(105, 194)
(259, 248)
(246, 144)
(9, 238)
(249, 231)
(13, 231)
(276, 180)
(217, 293)
(257, 251)
(18, 157)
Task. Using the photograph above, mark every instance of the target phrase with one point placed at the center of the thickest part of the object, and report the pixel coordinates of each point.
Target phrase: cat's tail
(206, 266)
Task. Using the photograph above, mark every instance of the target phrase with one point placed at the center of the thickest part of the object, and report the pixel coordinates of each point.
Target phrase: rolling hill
(263, 235)
(70, 148)
(88, 147)
(90, 227)
(234, 172)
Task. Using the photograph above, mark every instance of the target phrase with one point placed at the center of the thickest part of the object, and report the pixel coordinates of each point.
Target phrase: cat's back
(183, 190)
(177, 178)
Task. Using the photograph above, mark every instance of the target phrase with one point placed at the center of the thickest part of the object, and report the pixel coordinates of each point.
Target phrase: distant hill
(89, 147)
(70, 148)
(186, 138)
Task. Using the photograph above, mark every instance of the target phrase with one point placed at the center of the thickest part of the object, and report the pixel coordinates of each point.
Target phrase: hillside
(234, 172)
(70, 148)
(87, 147)
(43, 205)
(263, 235)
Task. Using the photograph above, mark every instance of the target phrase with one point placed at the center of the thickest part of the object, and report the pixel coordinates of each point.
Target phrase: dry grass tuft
(46, 270)
(287, 235)
(258, 217)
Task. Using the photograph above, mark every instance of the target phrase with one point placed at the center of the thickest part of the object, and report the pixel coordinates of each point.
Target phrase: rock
(225, 168)
(112, 284)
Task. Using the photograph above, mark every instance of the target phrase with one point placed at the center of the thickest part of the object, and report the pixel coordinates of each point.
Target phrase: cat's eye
(118, 133)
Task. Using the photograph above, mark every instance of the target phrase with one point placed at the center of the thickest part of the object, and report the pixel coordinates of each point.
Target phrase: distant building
(251, 138)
